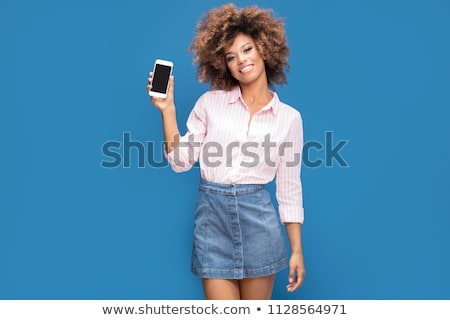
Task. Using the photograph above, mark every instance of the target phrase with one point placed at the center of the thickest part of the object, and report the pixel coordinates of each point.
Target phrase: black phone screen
(160, 78)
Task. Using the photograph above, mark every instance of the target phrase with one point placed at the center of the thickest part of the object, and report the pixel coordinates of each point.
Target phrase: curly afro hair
(217, 30)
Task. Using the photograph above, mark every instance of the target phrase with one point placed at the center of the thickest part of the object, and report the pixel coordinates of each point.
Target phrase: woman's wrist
(169, 110)
(297, 251)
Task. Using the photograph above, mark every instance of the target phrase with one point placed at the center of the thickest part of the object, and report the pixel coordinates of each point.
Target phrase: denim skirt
(237, 233)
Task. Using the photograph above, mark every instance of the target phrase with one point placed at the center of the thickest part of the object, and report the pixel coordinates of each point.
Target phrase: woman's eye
(246, 50)
(230, 58)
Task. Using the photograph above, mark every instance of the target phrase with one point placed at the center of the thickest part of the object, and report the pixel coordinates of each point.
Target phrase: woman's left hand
(296, 272)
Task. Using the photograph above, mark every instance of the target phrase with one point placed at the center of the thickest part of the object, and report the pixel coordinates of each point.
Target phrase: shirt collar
(274, 104)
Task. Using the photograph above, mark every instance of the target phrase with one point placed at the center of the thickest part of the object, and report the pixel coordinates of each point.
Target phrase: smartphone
(162, 70)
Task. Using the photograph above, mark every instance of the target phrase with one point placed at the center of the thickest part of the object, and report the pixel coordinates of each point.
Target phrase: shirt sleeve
(187, 153)
(288, 184)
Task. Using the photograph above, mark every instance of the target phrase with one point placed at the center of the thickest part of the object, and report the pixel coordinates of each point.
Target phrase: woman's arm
(296, 263)
(168, 113)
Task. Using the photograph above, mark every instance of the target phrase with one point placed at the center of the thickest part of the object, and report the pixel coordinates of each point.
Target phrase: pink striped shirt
(231, 149)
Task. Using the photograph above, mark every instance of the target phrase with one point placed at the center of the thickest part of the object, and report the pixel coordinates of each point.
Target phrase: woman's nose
(241, 58)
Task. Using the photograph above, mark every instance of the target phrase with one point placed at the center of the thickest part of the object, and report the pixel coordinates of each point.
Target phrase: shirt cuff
(297, 217)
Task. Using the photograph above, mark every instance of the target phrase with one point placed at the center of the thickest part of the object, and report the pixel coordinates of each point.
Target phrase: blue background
(73, 76)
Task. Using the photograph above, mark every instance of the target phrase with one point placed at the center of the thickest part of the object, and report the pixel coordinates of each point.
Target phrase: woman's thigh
(257, 288)
(221, 289)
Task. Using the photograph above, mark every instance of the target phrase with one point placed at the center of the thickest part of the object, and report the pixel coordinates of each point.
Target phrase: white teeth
(246, 69)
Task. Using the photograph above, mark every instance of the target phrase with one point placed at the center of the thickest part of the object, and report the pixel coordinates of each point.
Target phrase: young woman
(243, 137)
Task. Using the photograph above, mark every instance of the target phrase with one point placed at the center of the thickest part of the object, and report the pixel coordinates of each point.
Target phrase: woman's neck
(256, 96)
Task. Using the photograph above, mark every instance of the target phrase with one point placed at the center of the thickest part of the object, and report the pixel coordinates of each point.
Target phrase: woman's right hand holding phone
(163, 104)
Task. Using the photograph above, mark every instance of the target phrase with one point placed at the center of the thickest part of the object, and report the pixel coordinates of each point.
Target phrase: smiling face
(244, 61)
